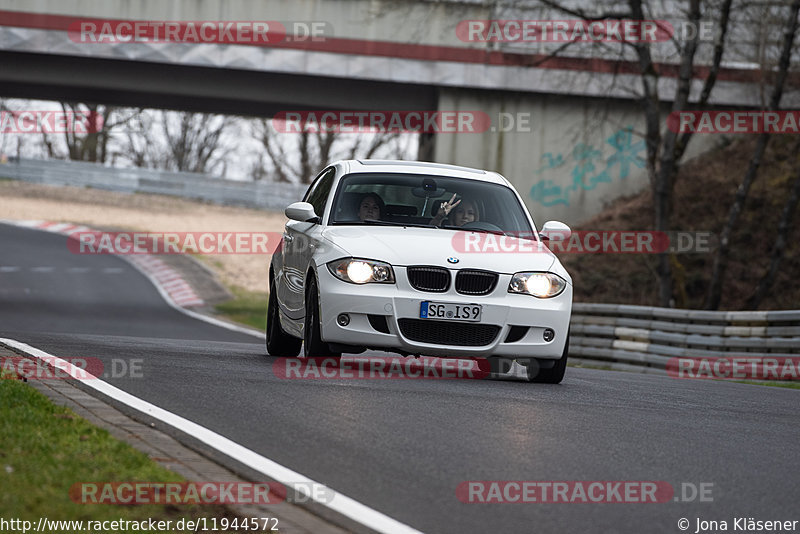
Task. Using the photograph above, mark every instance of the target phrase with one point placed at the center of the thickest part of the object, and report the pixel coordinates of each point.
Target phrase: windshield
(431, 201)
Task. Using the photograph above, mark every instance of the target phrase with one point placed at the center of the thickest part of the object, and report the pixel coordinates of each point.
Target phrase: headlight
(542, 285)
(357, 271)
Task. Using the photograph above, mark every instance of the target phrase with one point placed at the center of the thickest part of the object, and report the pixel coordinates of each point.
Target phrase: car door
(300, 241)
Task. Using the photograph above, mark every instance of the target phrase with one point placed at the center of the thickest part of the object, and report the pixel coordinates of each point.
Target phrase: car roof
(420, 167)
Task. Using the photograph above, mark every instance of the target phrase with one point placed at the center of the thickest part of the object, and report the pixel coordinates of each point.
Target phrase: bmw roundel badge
(452, 260)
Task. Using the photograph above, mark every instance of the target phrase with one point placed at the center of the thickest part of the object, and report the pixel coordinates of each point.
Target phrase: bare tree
(366, 147)
(721, 256)
(297, 158)
(193, 141)
(258, 169)
(664, 150)
(178, 141)
(93, 125)
(4, 139)
(140, 145)
(779, 247)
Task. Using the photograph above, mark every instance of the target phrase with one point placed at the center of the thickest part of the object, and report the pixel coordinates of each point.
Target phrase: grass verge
(246, 307)
(45, 449)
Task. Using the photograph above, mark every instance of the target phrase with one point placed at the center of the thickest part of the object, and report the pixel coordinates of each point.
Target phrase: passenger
(467, 212)
(464, 211)
(371, 207)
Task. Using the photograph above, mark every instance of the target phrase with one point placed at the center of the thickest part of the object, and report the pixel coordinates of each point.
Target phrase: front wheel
(279, 343)
(553, 375)
(313, 346)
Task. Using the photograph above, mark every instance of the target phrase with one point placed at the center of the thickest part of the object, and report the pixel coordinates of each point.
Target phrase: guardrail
(645, 338)
(261, 195)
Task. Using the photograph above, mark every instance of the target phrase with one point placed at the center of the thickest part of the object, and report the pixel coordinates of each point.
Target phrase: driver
(371, 207)
(464, 211)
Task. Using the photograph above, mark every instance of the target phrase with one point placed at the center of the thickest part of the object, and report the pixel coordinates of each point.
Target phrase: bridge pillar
(567, 156)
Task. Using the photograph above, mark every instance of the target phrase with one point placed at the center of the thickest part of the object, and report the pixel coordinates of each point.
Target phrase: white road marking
(26, 224)
(182, 293)
(148, 265)
(189, 302)
(339, 503)
(78, 229)
(57, 228)
(42, 269)
(9, 269)
(113, 270)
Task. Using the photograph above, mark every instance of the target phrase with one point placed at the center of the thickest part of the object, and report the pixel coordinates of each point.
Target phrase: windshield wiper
(480, 230)
(389, 223)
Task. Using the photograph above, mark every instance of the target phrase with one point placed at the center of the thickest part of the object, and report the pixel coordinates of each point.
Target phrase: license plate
(450, 312)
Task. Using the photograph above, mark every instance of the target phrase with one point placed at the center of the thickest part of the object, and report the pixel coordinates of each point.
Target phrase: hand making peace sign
(447, 207)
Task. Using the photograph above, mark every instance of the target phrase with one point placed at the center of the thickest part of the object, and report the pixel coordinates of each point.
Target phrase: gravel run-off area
(149, 213)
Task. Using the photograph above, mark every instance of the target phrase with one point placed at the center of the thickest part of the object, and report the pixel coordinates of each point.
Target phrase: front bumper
(401, 301)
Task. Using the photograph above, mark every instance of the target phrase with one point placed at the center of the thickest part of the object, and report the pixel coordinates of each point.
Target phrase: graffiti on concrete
(588, 168)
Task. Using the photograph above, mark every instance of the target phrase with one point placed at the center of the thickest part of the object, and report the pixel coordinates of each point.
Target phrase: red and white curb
(170, 283)
(168, 279)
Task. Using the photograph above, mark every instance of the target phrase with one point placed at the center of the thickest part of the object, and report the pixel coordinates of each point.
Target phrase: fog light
(549, 334)
(343, 319)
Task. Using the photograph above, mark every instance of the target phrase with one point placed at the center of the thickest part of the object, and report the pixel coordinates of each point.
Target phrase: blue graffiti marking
(626, 152)
(552, 162)
(585, 157)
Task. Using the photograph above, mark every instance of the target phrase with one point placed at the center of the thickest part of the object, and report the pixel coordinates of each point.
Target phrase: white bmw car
(419, 259)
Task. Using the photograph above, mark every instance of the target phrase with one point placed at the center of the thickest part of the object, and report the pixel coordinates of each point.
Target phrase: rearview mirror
(303, 212)
(555, 230)
(421, 192)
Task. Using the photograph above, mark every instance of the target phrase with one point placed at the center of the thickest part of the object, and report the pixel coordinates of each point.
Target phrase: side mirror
(303, 212)
(557, 231)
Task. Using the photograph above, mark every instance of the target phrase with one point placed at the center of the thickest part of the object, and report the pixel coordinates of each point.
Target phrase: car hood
(433, 246)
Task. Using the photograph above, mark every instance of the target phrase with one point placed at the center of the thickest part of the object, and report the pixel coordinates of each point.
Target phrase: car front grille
(475, 282)
(447, 333)
(435, 279)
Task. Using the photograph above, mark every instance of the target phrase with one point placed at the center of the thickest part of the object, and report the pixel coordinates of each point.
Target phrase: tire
(555, 374)
(313, 346)
(279, 343)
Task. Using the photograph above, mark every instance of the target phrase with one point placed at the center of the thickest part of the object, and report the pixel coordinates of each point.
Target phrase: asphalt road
(403, 446)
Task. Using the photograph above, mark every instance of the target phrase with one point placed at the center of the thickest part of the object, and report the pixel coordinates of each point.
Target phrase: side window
(318, 192)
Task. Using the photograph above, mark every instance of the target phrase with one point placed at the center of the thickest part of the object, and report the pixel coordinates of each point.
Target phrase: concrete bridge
(563, 129)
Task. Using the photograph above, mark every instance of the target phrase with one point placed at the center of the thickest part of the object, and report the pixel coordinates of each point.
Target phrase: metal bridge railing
(262, 195)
